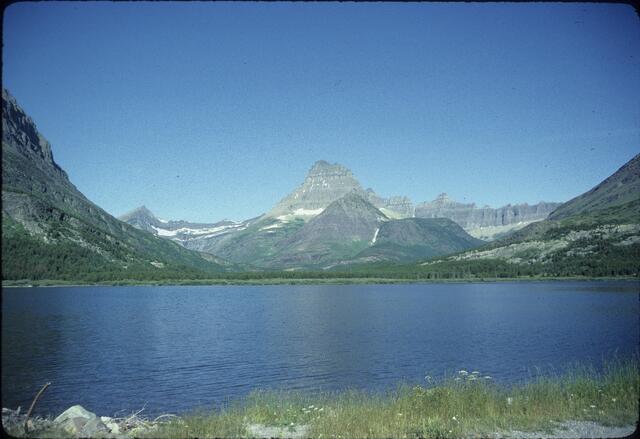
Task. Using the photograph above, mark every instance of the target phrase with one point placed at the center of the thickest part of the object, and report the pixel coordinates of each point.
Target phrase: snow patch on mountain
(271, 226)
(375, 236)
(300, 213)
(201, 232)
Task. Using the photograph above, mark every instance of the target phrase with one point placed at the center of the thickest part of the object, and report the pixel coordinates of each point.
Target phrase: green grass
(456, 406)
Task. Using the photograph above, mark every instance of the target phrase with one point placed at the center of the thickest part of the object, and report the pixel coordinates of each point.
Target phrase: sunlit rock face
(400, 205)
(484, 222)
(326, 183)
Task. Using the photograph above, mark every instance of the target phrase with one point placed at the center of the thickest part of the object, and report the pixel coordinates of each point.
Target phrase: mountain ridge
(326, 182)
(49, 225)
(347, 225)
(485, 222)
(619, 188)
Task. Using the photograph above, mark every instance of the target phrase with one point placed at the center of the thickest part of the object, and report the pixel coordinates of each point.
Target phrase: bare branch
(33, 404)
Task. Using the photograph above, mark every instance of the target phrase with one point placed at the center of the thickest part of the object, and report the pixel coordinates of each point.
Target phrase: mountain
(180, 231)
(323, 184)
(271, 240)
(412, 239)
(344, 228)
(393, 207)
(326, 183)
(620, 188)
(594, 234)
(257, 240)
(485, 222)
(50, 230)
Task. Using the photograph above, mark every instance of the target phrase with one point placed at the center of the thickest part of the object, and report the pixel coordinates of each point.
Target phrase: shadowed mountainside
(51, 230)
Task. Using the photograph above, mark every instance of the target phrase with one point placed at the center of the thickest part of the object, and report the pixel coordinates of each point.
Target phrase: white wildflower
(613, 399)
(509, 400)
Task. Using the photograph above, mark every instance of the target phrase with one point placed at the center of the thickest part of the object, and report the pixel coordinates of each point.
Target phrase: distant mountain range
(349, 230)
(485, 222)
(287, 236)
(52, 231)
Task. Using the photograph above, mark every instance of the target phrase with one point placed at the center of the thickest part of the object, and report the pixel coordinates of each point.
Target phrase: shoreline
(302, 281)
(580, 403)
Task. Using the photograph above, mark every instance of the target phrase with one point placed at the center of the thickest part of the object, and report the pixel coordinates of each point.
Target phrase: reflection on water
(175, 348)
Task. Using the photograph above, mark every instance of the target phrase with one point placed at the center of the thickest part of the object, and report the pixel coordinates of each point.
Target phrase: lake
(173, 349)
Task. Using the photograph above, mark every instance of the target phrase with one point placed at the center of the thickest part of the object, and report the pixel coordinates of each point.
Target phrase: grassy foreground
(467, 404)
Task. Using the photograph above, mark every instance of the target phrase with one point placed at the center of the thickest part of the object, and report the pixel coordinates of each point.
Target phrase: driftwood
(165, 416)
(33, 404)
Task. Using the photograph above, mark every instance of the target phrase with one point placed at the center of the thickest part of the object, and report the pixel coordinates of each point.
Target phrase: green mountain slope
(51, 230)
(622, 187)
(258, 243)
(412, 239)
(343, 229)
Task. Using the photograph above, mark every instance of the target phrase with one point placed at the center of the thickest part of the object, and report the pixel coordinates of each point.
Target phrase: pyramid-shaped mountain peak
(323, 184)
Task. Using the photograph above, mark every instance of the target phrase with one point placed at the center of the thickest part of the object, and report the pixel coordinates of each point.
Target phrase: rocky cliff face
(30, 176)
(326, 183)
(396, 207)
(474, 219)
(20, 135)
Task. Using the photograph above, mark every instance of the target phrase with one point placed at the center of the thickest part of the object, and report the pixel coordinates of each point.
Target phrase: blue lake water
(173, 349)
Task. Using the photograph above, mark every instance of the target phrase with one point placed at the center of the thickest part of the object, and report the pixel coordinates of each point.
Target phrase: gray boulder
(76, 411)
(77, 420)
(94, 427)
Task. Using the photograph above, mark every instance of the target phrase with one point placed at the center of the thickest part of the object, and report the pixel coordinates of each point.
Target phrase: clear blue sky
(203, 111)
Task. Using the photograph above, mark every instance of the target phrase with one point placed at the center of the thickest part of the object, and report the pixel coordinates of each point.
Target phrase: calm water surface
(177, 348)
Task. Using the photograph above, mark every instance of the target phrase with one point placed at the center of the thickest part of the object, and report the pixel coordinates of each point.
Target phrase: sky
(208, 111)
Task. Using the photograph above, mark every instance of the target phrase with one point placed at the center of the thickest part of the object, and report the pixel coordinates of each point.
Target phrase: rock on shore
(76, 422)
